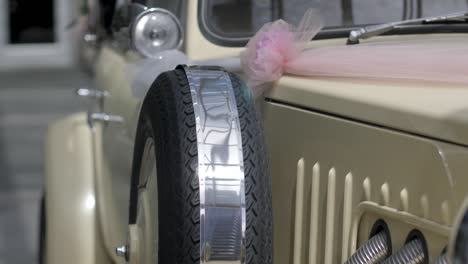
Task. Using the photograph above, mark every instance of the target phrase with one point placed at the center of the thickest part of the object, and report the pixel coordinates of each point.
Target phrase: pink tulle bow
(279, 48)
(274, 46)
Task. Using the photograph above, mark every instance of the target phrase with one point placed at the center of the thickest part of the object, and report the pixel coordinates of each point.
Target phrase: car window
(241, 18)
(107, 8)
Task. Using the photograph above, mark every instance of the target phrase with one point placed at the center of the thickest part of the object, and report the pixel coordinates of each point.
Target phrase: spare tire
(167, 118)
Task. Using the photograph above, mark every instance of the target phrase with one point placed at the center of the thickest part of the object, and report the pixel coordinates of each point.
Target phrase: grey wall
(29, 101)
(60, 54)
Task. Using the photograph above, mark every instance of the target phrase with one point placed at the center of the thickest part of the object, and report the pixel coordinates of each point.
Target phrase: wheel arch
(70, 200)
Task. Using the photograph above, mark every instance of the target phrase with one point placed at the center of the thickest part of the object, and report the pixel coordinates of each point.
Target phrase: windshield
(229, 21)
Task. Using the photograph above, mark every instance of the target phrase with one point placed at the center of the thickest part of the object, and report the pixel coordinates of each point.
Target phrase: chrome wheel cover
(220, 166)
(147, 210)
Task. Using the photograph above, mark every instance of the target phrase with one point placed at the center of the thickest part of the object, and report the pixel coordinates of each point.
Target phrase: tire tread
(168, 116)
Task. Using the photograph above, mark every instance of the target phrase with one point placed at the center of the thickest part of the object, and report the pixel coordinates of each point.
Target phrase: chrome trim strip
(220, 166)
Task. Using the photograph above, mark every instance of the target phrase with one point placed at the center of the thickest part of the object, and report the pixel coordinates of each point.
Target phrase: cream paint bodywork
(70, 195)
(197, 47)
(114, 148)
(394, 162)
(333, 178)
(437, 110)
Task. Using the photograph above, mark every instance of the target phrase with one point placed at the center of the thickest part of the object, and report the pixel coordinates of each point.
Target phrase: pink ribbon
(279, 48)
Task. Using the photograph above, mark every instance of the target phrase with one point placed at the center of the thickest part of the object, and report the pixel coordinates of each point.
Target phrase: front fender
(71, 231)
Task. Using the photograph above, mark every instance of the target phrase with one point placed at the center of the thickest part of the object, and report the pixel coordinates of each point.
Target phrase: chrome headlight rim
(147, 12)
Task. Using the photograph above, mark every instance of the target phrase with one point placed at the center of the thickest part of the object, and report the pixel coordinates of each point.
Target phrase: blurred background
(40, 69)
(38, 74)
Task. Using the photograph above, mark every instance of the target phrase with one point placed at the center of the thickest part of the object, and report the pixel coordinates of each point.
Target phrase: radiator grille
(311, 245)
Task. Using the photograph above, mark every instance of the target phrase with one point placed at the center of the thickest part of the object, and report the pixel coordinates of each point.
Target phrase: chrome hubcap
(142, 245)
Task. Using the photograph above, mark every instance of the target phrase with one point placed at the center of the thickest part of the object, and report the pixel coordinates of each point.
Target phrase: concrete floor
(29, 101)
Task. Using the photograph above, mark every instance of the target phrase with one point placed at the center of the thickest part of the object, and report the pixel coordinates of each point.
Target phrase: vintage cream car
(180, 164)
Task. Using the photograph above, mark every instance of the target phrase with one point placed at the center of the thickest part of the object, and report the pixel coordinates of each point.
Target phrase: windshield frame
(327, 33)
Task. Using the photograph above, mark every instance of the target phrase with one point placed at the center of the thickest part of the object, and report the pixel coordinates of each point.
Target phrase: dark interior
(31, 21)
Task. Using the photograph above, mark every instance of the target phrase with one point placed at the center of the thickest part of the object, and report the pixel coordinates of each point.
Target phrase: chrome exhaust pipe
(375, 250)
(442, 259)
(412, 253)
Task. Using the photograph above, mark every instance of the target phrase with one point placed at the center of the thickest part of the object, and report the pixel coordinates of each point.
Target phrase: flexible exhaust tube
(442, 259)
(412, 253)
(373, 251)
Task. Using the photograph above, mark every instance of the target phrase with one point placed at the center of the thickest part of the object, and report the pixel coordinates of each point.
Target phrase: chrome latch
(91, 93)
(122, 251)
(103, 117)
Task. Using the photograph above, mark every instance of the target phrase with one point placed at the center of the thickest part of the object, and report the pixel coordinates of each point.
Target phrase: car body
(344, 153)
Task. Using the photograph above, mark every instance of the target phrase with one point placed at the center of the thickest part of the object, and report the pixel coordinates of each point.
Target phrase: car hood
(433, 110)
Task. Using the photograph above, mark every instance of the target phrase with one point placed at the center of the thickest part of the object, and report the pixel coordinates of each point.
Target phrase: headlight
(155, 30)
